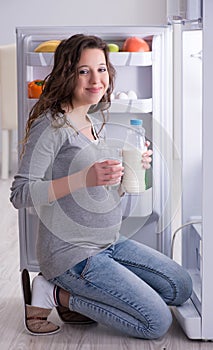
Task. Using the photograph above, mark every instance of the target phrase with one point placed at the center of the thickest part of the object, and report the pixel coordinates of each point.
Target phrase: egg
(132, 95)
(123, 96)
(112, 96)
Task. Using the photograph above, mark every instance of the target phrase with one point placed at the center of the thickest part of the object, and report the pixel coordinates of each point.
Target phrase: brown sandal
(72, 317)
(36, 322)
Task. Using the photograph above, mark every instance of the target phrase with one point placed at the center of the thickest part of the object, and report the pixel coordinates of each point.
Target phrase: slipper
(35, 318)
(72, 317)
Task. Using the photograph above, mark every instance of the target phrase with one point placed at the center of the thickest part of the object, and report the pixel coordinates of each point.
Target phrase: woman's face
(93, 78)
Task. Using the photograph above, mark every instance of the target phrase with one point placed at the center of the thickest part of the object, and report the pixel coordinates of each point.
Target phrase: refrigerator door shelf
(45, 59)
(138, 205)
(131, 58)
(120, 106)
(131, 106)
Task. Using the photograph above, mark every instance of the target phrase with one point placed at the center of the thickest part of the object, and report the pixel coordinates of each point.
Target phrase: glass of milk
(107, 152)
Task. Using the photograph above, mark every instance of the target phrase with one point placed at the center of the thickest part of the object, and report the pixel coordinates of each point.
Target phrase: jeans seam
(123, 262)
(110, 312)
(60, 283)
(116, 297)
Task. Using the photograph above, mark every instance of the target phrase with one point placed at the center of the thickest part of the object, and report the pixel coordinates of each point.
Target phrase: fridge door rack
(119, 59)
(131, 106)
(120, 106)
(144, 59)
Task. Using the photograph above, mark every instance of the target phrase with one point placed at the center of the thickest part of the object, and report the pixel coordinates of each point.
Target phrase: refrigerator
(162, 80)
(146, 217)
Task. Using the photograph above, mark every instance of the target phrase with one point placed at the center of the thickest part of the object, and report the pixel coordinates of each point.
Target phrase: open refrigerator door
(190, 147)
(193, 135)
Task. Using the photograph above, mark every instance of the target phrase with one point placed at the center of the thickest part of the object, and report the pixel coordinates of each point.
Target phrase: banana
(47, 46)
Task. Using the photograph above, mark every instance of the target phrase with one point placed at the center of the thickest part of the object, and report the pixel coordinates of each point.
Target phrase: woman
(103, 276)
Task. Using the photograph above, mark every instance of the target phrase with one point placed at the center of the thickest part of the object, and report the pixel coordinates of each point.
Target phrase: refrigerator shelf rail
(143, 59)
(120, 106)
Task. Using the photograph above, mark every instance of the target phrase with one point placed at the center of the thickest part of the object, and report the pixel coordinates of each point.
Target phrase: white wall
(20, 13)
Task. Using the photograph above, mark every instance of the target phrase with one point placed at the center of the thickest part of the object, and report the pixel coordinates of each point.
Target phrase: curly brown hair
(59, 85)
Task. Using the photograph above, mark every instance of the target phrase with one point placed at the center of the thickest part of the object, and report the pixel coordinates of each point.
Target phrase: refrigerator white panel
(189, 137)
(192, 124)
(207, 193)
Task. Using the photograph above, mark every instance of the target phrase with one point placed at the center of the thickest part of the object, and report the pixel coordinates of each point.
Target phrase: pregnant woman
(86, 265)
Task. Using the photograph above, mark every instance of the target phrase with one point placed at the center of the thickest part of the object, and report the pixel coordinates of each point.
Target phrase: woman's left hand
(146, 157)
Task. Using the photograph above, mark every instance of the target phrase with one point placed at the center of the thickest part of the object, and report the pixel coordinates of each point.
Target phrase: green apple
(113, 47)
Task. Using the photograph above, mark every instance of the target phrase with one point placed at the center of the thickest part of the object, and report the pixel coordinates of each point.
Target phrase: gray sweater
(78, 225)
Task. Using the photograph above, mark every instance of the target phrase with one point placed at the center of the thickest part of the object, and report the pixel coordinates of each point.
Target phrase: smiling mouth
(94, 90)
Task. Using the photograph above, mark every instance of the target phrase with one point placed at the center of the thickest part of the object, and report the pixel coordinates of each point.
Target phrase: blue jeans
(128, 287)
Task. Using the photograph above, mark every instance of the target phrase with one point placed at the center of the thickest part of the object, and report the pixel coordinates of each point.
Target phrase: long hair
(59, 85)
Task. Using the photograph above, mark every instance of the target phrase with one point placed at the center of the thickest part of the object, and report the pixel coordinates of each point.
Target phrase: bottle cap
(136, 122)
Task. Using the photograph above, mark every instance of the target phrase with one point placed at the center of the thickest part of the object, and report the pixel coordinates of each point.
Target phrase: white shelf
(131, 58)
(120, 106)
(45, 59)
(131, 106)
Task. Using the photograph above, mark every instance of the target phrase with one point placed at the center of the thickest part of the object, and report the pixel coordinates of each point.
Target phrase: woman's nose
(94, 78)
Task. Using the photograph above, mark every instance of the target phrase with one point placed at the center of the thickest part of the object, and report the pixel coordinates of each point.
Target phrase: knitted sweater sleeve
(31, 184)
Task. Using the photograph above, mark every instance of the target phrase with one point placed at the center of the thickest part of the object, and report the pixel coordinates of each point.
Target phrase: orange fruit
(135, 44)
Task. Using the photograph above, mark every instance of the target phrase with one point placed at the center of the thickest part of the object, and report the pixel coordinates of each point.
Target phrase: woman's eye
(102, 69)
(83, 71)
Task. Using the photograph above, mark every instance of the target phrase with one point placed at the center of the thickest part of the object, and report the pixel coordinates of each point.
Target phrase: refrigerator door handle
(177, 88)
(197, 55)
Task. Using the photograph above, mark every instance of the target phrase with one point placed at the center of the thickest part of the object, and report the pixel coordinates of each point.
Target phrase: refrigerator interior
(146, 217)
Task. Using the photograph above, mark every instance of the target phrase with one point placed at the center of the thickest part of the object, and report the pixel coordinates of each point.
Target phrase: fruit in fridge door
(113, 47)
(135, 44)
(47, 46)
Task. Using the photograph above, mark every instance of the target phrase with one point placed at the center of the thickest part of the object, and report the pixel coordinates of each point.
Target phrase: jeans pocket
(81, 268)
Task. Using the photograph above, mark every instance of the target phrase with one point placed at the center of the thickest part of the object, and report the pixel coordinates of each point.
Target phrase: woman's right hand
(106, 173)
